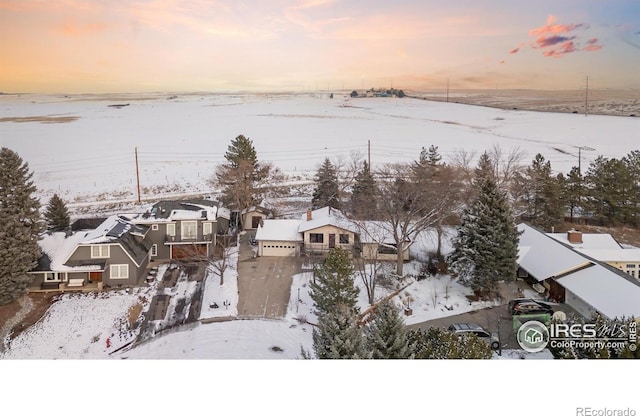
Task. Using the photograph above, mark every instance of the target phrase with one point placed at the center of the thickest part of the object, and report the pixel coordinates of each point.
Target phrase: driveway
(264, 283)
(496, 320)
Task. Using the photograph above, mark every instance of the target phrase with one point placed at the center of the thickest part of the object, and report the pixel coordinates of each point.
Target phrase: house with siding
(318, 231)
(116, 253)
(183, 229)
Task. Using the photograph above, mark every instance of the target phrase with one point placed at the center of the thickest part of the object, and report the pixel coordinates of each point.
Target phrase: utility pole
(447, 89)
(137, 175)
(586, 96)
(369, 153)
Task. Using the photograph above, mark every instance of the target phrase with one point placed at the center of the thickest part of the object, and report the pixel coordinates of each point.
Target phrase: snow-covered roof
(56, 248)
(279, 230)
(166, 211)
(544, 257)
(224, 213)
(112, 229)
(606, 291)
(255, 208)
(326, 216)
(621, 255)
(589, 241)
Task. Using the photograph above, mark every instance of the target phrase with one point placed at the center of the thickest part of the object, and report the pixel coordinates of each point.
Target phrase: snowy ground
(90, 156)
(225, 295)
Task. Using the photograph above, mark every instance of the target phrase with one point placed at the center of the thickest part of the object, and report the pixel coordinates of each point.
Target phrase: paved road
(264, 283)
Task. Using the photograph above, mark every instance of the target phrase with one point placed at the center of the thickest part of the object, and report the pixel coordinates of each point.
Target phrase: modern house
(181, 229)
(321, 230)
(567, 275)
(116, 253)
(604, 248)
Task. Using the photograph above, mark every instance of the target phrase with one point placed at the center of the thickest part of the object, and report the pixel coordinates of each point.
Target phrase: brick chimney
(308, 215)
(574, 236)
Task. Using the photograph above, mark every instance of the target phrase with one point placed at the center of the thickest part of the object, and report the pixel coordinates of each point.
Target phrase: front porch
(66, 287)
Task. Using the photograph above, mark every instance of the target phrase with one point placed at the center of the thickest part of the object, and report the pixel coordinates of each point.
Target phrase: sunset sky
(72, 46)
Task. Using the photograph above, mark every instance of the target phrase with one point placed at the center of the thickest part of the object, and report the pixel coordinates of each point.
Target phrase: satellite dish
(559, 316)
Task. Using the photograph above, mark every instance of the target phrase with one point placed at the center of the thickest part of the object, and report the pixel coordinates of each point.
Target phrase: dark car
(514, 302)
(531, 307)
(480, 332)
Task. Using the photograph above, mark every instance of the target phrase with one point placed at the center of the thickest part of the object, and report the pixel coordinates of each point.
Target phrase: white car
(480, 332)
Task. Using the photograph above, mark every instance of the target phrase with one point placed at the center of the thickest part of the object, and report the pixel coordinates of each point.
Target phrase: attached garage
(279, 238)
(187, 251)
(278, 248)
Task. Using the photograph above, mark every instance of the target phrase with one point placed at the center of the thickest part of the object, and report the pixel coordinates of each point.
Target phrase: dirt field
(607, 102)
(22, 313)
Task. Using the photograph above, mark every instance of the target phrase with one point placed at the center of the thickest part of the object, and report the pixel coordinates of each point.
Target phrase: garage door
(277, 249)
(187, 251)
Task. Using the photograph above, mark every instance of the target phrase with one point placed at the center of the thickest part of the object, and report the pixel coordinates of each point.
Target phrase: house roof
(544, 257)
(191, 209)
(589, 241)
(57, 247)
(606, 291)
(631, 255)
(326, 216)
(609, 291)
(255, 208)
(279, 230)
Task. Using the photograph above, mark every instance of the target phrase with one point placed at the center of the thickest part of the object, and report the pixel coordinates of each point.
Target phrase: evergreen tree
(632, 162)
(333, 283)
(486, 168)
(56, 214)
(430, 157)
(609, 191)
(572, 193)
(386, 333)
(241, 150)
(437, 343)
(242, 175)
(20, 225)
(486, 247)
(338, 335)
(541, 196)
(326, 193)
(364, 195)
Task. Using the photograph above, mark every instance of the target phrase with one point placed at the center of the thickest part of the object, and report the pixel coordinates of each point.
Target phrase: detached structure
(318, 231)
(120, 249)
(565, 274)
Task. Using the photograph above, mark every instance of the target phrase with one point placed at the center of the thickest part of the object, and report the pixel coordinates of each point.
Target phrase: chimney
(308, 215)
(574, 236)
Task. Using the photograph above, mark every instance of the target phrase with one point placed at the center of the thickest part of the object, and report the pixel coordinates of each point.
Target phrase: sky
(73, 46)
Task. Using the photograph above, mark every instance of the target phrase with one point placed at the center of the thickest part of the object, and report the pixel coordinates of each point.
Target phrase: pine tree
(338, 335)
(541, 196)
(333, 283)
(486, 247)
(241, 150)
(56, 214)
(386, 333)
(20, 225)
(326, 193)
(437, 343)
(572, 193)
(364, 195)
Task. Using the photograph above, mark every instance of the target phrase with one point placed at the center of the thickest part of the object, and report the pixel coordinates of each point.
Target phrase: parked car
(531, 307)
(480, 332)
(514, 302)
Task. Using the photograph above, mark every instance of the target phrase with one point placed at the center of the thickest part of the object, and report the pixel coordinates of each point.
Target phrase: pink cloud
(551, 28)
(544, 41)
(592, 45)
(565, 48)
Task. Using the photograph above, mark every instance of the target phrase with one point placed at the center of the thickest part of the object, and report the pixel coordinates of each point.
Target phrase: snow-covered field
(83, 149)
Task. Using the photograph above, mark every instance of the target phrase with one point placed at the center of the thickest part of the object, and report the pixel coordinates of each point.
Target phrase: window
(189, 230)
(316, 238)
(154, 250)
(51, 277)
(99, 252)
(154, 227)
(344, 238)
(206, 228)
(631, 266)
(119, 271)
(171, 229)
